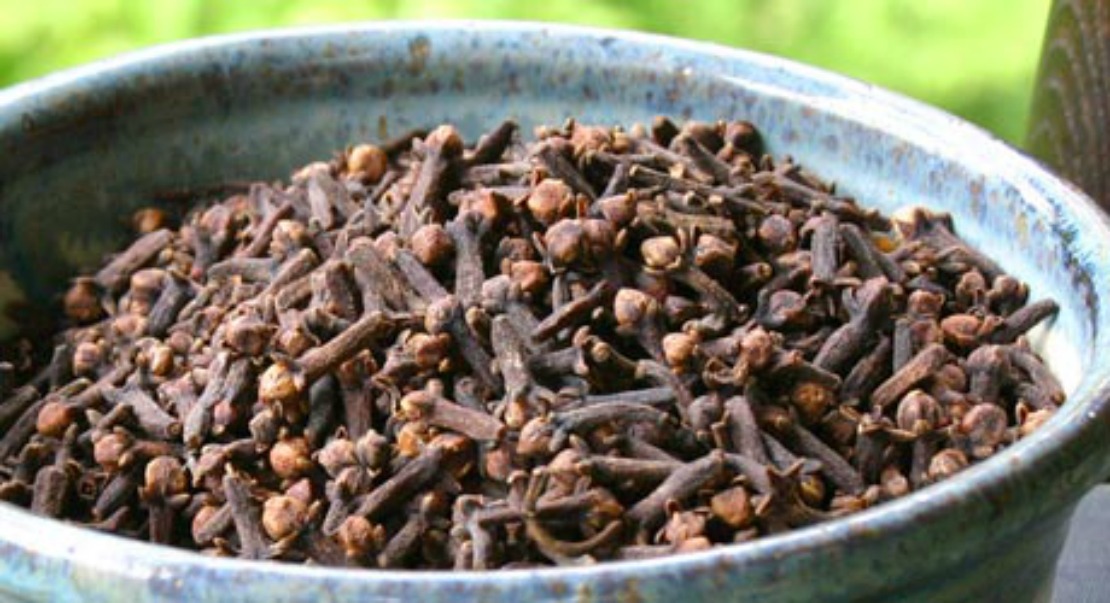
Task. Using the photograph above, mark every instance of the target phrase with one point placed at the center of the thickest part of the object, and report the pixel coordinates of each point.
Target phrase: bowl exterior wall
(80, 150)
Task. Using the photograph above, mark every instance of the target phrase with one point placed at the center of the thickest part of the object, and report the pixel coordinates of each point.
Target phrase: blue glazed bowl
(81, 149)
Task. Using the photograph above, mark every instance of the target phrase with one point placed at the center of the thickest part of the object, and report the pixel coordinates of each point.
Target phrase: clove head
(283, 516)
(290, 458)
(279, 384)
(432, 245)
(918, 412)
(680, 349)
(714, 255)
(661, 253)
(163, 478)
(550, 201)
(367, 162)
(82, 301)
(985, 426)
(733, 507)
(812, 400)
(336, 455)
(946, 463)
(529, 276)
(360, 538)
(632, 306)
(536, 437)
(54, 418)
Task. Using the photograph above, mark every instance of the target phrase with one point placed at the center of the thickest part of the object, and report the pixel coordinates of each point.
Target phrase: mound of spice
(603, 344)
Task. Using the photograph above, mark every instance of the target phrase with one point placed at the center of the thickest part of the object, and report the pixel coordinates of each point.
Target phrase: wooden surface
(1069, 126)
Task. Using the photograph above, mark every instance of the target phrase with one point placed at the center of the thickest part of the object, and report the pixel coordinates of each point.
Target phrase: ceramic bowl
(79, 150)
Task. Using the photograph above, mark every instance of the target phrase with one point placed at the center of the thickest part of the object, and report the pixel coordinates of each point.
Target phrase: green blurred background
(976, 59)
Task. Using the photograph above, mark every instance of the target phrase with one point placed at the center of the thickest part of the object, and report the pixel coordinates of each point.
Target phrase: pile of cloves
(603, 344)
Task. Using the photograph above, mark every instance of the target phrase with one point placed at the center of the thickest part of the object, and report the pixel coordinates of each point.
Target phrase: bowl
(83, 148)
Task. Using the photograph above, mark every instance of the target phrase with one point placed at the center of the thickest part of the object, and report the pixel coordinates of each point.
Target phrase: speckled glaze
(80, 149)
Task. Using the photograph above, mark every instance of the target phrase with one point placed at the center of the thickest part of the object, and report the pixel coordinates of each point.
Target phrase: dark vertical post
(1070, 116)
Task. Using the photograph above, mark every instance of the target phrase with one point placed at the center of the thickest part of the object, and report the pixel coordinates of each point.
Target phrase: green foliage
(975, 59)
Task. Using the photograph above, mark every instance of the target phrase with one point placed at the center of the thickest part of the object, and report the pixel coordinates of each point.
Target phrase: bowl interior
(80, 156)
(81, 150)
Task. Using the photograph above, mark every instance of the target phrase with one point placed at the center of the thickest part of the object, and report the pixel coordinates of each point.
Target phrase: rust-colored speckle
(1021, 228)
(721, 572)
(559, 589)
(630, 593)
(584, 593)
(383, 128)
(419, 49)
(975, 187)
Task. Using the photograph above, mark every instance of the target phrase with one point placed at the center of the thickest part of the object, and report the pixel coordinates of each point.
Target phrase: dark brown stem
(783, 459)
(512, 358)
(492, 145)
(573, 312)
(296, 267)
(115, 275)
(426, 285)
(923, 365)
(332, 290)
(215, 524)
(284, 382)
(733, 195)
(659, 374)
(825, 246)
(441, 412)
(17, 405)
(357, 395)
(227, 381)
(680, 485)
(1023, 319)
(151, 417)
(659, 397)
(706, 162)
(868, 308)
(868, 373)
(561, 551)
(115, 494)
(935, 230)
(445, 315)
(246, 517)
(559, 167)
(1038, 373)
(743, 430)
(263, 232)
(404, 542)
(617, 471)
(380, 284)
(833, 466)
(638, 448)
(587, 418)
(711, 293)
(53, 483)
(755, 473)
(469, 275)
(245, 269)
(411, 478)
(176, 294)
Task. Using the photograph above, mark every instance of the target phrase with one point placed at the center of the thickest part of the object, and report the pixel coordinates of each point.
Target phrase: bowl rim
(1070, 431)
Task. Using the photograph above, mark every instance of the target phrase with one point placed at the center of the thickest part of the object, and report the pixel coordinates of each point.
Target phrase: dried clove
(604, 344)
